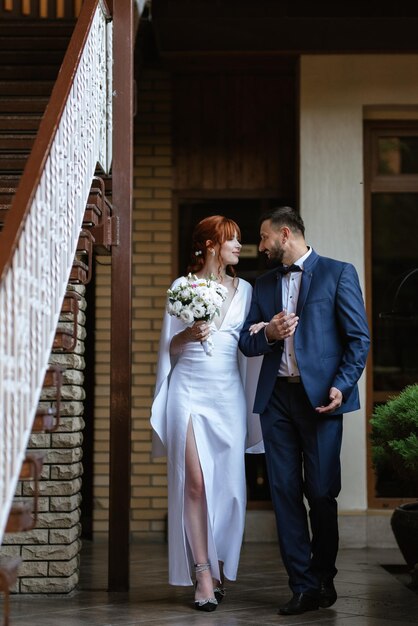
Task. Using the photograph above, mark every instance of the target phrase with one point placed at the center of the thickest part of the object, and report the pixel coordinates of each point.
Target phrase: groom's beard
(276, 256)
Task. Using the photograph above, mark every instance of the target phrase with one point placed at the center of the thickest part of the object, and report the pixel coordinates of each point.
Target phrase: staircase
(30, 57)
(31, 54)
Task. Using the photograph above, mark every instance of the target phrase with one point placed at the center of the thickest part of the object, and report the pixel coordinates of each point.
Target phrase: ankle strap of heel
(201, 567)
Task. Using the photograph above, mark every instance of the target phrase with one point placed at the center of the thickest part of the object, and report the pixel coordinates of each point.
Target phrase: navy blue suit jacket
(331, 340)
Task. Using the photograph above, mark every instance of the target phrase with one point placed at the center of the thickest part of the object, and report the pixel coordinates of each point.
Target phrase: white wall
(333, 90)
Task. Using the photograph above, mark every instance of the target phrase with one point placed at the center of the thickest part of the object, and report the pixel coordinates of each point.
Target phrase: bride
(200, 421)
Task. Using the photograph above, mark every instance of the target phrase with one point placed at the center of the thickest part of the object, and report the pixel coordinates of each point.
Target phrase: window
(391, 205)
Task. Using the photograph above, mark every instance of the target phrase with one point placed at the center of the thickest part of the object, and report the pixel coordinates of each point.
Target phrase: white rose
(176, 307)
(217, 300)
(198, 310)
(185, 294)
(211, 309)
(186, 316)
(204, 293)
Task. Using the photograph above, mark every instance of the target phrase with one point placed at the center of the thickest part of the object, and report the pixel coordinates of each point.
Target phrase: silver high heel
(208, 604)
(220, 592)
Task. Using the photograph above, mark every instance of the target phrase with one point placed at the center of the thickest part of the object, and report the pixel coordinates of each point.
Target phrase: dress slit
(211, 547)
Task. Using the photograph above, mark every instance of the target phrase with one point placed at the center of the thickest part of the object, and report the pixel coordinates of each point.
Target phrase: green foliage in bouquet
(395, 434)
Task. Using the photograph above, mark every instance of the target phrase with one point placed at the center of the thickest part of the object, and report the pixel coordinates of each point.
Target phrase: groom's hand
(281, 326)
(336, 400)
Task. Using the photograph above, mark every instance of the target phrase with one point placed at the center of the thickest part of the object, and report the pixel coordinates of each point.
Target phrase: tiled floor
(368, 594)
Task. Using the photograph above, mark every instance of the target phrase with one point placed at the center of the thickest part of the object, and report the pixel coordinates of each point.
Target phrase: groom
(315, 344)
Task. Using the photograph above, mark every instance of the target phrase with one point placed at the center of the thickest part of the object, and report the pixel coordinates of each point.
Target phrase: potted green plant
(394, 440)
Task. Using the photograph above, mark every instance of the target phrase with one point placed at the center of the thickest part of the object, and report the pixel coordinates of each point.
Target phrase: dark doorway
(246, 212)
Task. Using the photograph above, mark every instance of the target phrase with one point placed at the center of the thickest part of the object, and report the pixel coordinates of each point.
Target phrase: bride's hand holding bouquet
(197, 300)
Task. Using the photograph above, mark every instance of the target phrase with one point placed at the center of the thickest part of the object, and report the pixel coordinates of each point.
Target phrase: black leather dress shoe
(327, 594)
(300, 603)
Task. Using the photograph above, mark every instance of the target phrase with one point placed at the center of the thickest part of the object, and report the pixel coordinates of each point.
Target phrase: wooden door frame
(374, 183)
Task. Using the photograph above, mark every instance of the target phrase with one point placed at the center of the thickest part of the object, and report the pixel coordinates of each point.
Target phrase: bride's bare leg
(195, 515)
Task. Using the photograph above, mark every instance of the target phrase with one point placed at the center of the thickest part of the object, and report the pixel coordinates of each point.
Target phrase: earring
(212, 252)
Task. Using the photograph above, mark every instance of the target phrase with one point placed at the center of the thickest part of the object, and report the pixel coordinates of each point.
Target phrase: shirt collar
(303, 258)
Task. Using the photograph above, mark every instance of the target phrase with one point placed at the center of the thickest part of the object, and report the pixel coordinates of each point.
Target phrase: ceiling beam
(182, 26)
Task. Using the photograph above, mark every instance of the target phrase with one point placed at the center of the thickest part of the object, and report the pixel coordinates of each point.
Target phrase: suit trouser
(303, 458)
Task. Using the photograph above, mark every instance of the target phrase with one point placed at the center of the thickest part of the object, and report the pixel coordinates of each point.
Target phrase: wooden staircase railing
(40, 232)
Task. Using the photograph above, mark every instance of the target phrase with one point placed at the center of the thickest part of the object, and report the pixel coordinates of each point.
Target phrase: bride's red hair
(216, 229)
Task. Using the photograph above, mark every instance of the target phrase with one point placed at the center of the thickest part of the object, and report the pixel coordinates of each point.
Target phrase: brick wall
(152, 274)
(101, 399)
(50, 551)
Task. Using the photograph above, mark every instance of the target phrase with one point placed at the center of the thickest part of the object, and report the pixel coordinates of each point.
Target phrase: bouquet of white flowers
(196, 299)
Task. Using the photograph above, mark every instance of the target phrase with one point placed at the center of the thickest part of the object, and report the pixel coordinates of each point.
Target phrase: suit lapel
(305, 283)
(278, 299)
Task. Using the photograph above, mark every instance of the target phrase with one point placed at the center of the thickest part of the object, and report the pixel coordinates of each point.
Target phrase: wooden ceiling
(218, 27)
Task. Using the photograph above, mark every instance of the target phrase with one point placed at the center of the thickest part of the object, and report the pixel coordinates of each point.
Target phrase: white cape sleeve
(250, 371)
(171, 326)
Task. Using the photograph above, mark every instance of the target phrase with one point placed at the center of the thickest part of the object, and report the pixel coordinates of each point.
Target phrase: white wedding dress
(213, 392)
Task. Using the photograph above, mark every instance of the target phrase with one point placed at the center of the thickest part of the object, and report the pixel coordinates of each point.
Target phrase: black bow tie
(285, 269)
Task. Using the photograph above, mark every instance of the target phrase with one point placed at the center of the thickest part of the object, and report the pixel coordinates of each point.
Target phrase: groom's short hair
(284, 216)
